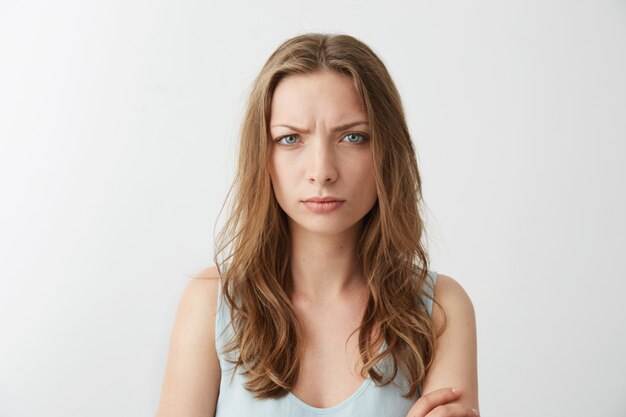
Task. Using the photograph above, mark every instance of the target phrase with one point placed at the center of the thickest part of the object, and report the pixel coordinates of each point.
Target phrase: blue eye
(280, 140)
(357, 135)
(292, 139)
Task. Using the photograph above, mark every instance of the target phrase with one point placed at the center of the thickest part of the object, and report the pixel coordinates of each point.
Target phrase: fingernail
(475, 412)
(456, 390)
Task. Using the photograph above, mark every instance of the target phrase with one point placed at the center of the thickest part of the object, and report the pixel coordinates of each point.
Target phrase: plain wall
(118, 132)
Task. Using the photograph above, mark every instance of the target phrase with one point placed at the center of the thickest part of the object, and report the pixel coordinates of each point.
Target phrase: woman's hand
(434, 404)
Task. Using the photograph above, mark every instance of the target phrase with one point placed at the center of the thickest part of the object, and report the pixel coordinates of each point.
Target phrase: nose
(322, 163)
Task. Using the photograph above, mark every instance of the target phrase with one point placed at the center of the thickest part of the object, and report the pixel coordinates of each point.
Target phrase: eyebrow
(334, 130)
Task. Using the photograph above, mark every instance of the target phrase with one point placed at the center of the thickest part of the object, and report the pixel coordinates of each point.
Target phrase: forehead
(322, 94)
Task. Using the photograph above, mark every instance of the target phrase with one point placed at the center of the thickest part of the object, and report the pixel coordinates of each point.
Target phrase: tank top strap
(429, 291)
(223, 330)
(427, 298)
(219, 313)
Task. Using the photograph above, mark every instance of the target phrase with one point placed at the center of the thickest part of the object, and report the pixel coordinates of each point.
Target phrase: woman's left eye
(356, 137)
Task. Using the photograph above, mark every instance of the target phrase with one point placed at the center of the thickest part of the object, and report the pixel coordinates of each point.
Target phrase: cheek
(274, 167)
(278, 173)
(364, 172)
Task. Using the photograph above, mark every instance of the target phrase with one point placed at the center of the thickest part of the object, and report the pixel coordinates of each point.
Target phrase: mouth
(323, 206)
(323, 200)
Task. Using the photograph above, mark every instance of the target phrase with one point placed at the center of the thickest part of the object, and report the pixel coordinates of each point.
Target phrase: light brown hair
(254, 241)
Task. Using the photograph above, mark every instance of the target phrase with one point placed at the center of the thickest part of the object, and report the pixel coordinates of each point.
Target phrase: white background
(118, 129)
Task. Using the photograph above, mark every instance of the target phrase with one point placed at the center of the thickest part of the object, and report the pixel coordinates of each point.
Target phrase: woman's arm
(192, 375)
(455, 360)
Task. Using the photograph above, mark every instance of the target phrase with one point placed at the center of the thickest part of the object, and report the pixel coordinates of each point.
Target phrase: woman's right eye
(285, 140)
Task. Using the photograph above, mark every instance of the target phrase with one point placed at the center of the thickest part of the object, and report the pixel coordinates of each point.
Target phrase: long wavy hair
(255, 242)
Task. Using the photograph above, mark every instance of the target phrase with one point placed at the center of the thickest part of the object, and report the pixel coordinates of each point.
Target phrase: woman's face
(320, 148)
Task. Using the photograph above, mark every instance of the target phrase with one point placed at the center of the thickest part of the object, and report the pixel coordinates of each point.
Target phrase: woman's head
(390, 253)
(320, 149)
(376, 99)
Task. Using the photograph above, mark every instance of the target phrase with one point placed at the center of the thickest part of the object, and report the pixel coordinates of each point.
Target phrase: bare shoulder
(446, 284)
(455, 357)
(199, 299)
(192, 374)
(209, 273)
(451, 295)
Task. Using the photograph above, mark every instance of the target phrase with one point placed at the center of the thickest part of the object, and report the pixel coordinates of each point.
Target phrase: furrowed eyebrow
(334, 130)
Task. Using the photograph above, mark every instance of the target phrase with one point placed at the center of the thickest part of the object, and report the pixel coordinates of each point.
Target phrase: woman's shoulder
(451, 294)
(192, 375)
(198, 301)
(202, 290)
(208, 273)
(456, 355)
(446, 284)
(197, 307)
(457, 306)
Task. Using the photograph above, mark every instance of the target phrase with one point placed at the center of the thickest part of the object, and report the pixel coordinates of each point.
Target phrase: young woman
(321, 300)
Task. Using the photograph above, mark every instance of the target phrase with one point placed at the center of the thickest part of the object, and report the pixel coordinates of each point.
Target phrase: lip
(323, 199)
(323, 206)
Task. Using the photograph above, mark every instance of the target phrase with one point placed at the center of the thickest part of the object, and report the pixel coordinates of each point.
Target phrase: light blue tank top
(369, 400)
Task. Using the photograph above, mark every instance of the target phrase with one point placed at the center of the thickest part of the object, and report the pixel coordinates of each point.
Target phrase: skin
(321, 162)
(311, 157)
(329, 292)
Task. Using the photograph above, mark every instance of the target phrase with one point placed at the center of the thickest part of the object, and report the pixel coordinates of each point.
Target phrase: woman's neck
(325, 267)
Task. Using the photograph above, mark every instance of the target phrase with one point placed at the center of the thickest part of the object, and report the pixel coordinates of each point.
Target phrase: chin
(324, 226)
